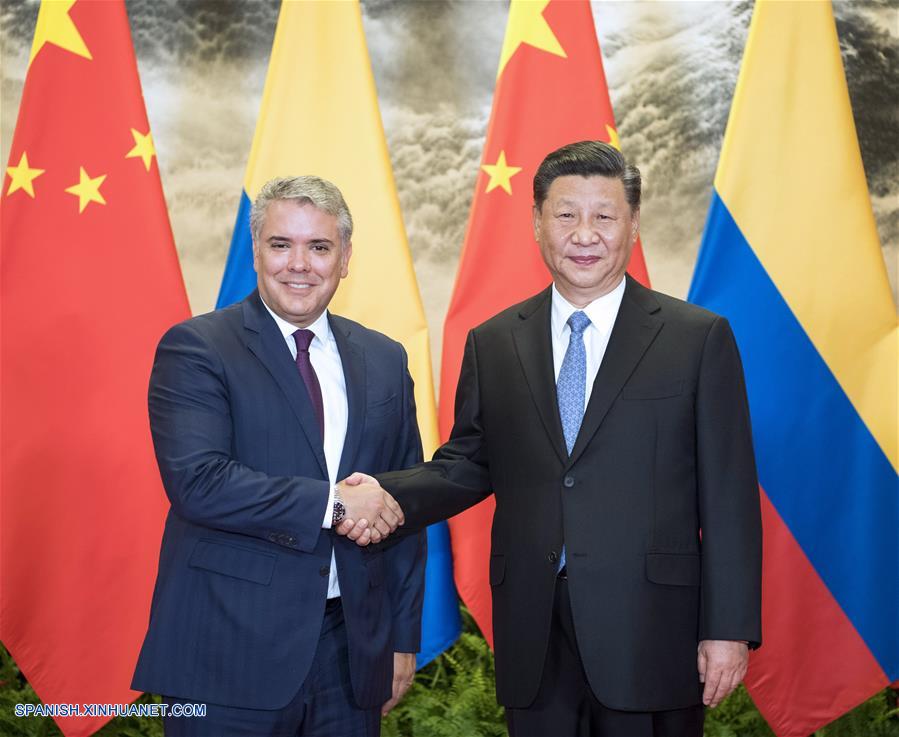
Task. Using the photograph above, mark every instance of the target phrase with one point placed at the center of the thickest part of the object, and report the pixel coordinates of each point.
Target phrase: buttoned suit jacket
(657, 504)
(243, 570)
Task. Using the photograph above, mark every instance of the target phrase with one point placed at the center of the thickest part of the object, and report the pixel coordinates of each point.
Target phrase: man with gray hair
(260, 611)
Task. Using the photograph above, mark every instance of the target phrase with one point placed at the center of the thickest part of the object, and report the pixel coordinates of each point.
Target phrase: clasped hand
(371, 513)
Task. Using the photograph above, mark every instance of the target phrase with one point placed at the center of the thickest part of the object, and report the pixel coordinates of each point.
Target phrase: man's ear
(255, 256)
(535, 213)
(635, 225)
(346, 252)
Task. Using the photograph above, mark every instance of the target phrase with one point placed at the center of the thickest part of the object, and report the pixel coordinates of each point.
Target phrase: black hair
(587, 159)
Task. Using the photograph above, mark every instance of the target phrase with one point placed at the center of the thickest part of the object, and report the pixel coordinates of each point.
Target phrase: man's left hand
(722, 665)
(403, 674)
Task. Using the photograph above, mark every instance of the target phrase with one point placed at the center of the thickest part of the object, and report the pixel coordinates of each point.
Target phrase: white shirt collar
(321, 327)
(601, 311)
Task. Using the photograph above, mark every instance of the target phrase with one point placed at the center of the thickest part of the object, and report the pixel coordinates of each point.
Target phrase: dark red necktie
(303, 339)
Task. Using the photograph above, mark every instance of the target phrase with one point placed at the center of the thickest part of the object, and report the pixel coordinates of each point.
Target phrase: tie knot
(578, 322)
(303, 339)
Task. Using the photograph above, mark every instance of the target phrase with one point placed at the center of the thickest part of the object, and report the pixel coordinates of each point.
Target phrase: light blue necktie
(571, 386)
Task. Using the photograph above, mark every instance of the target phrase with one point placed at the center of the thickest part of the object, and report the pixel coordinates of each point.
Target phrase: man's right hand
(371, 513)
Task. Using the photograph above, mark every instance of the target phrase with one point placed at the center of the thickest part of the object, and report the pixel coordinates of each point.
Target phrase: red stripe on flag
(813, 666)
(89, 282)
(470, 535)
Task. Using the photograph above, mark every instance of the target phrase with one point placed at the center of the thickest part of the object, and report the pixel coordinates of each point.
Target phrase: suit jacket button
(272, 537)
(291, 540)
(552, 557)
(324, 571)
(568, 482)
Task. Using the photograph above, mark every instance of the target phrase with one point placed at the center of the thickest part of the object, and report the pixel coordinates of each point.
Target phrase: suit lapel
(635, 328)
(266, 342)
(352, 356)
(533, 344)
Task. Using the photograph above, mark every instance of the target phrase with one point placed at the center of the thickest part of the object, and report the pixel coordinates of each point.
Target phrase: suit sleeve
(406, 560)
(190, 419)
(458, 477)
(730, 516)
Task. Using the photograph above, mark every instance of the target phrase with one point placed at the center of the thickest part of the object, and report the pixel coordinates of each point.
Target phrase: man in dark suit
(260, 610)
(611, 424)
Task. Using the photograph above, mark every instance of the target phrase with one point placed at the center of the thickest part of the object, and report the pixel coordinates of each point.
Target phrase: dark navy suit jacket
(243, 570)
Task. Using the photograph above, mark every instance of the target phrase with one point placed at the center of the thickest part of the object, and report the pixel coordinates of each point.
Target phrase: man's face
(586, 231)
(299, 260)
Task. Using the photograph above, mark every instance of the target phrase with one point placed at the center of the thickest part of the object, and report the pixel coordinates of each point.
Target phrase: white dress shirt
(325, 359)
(602, 313)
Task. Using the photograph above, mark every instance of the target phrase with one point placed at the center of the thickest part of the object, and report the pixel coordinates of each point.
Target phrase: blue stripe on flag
(818, 462)
(440, 621)
(239, 278)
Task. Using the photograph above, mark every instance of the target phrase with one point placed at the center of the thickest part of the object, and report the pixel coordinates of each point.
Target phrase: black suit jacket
(657, 505)
(243, 570)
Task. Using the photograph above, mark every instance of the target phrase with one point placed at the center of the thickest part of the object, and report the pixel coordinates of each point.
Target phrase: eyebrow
(290, 240)
(571, 203)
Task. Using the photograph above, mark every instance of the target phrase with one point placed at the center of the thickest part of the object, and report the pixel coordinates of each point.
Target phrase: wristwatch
(339, 509)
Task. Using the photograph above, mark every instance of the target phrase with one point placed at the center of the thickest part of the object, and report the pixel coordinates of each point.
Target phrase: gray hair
(587, 159)
(318, 192)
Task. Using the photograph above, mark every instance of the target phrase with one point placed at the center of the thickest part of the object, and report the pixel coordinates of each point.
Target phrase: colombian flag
(791, 256)
(320, 116)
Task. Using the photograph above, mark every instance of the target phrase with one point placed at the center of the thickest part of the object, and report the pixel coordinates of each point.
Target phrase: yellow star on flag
(23, 176)
(143, 148)
(54, 26)
(614, 140)
(500, 174)
(87, 190)
(527, 25)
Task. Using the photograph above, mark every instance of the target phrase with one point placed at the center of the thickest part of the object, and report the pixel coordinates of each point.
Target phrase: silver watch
(339, 509)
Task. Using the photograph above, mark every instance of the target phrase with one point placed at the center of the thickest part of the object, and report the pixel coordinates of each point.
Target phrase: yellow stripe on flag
(811, 225)
(320, 116)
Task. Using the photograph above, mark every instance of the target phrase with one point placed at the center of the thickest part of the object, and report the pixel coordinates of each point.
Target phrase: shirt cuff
(329, 511)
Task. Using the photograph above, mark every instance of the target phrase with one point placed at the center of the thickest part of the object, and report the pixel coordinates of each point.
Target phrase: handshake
(371, 513)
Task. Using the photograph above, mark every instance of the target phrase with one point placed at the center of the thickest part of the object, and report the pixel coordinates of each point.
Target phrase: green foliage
(877, 717)
(14, 689)
(454, 697)
(736, 716)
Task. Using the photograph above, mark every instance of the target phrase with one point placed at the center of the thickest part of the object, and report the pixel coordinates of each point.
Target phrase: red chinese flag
(89, 281)
(550, 91)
